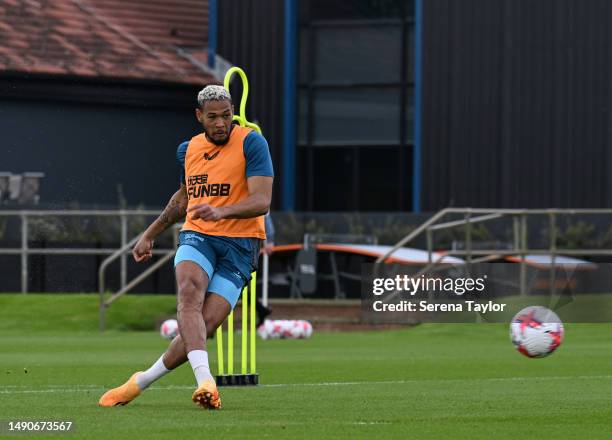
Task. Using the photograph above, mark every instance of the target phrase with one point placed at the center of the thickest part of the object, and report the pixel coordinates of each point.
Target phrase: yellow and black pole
(248, 367)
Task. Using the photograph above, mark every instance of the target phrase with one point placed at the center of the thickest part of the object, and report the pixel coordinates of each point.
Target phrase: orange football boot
(123, 394)
(207, 395)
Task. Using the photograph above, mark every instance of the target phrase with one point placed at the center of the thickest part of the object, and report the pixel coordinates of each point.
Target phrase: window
(358, 54)
(355, 104)
(359, 9)
(356, 116)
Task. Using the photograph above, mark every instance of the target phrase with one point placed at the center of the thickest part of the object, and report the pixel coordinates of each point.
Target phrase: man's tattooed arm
(176, 208)
(174, 211)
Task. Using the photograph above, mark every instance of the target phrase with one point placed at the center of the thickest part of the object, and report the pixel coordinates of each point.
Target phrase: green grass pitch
(432, 381)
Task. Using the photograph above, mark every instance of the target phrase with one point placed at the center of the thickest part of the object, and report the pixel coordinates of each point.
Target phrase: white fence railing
(520, 245)
(25, 251)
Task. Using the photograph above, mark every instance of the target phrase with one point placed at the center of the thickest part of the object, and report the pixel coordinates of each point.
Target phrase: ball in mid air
(169, 329)
(536, 331)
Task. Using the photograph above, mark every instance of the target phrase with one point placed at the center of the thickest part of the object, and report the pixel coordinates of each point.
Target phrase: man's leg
(262, 312)
(206, 394)
(176, 355)
(192, 282)
(214, 312)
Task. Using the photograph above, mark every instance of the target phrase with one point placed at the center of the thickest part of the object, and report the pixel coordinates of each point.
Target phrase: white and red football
(536, 331)
(169, 329)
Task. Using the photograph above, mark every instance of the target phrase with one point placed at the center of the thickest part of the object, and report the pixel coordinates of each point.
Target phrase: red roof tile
(146, 40)
(181, 23)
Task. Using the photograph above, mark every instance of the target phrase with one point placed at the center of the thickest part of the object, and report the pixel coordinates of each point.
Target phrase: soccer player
(225, 191)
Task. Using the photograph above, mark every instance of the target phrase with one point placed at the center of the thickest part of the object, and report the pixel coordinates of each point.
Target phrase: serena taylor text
(425, 306)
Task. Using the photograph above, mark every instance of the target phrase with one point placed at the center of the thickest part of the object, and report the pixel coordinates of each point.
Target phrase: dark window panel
(358, 9)
(357, 116)
(410, 115)
(304, 55)
(379, 179)
(361, 54)
(302, 181)
(353, 65)
(302, 128)
(410, 54)
(333, 185)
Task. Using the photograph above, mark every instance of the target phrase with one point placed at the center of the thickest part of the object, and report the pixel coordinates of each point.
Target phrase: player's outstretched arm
(256, 204)
(175, 210)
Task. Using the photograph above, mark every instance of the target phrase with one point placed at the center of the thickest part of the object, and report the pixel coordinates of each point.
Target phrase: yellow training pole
(245, 315)
(252, 323)
(220, 350)
(252, 291)
(230, 343)
(241, 116)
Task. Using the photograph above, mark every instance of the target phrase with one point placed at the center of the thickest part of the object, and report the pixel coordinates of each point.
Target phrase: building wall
(94, 141)
(516, 100)
(516, 103)
(354, 96)
(251, 37)
(355, 105)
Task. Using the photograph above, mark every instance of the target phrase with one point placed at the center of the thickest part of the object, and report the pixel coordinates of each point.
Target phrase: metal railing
(105, 303)
(112, 254)
(520, 245)
(25, 251)
(471, 216)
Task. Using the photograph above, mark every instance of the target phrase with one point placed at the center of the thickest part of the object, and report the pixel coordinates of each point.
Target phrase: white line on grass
(414, 381)
(80, 389)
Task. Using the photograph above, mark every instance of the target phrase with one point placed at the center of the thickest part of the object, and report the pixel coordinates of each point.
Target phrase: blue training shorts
(227, 261)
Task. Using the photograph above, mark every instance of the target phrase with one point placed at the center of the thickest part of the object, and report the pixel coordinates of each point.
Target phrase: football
(169, 329)
(536, 331)
(285, 329)
(307, 327)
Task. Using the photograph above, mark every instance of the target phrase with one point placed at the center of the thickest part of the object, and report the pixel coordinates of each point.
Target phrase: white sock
(199, 363)
(157, 370)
